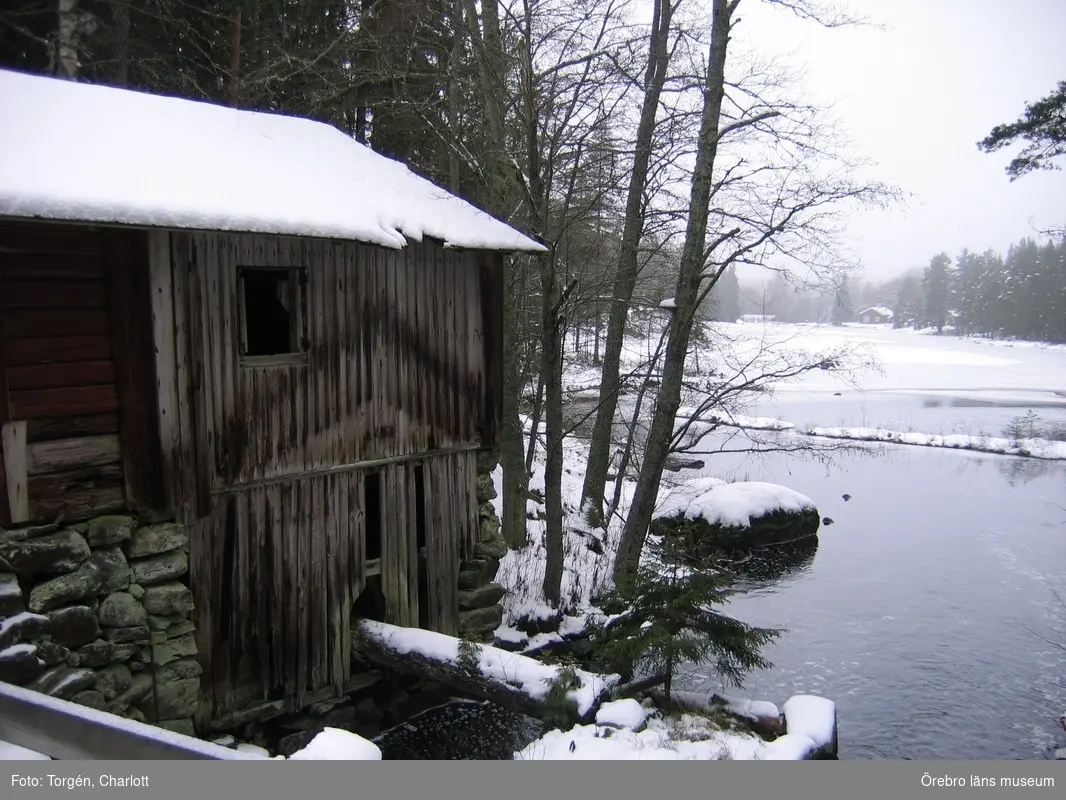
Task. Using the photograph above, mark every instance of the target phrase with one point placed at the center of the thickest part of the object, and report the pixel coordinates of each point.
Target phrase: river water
(930, 609)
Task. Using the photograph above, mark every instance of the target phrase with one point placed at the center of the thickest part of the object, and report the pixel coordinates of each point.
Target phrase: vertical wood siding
(269, 462)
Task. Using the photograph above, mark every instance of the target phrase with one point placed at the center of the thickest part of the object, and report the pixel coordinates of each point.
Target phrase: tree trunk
(122, 43)
(687, 296)
(499, 189)
(67, 40)
(534, 423)
(372, 642)
(233, 85)
(628, 267)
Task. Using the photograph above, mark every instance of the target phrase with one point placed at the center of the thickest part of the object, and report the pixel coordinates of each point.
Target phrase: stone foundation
(99, 613)
(480, 611)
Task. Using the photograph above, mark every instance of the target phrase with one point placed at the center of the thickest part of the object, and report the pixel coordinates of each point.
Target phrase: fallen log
(558, 695)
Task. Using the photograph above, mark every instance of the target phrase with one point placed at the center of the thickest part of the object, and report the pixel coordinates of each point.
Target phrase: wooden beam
(126, 257)
(60, 454)
(161, 286)
(14, 437)
(493, 275)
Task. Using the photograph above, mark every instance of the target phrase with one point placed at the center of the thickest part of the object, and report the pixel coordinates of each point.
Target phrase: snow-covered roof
(879, 310)
(79, 152)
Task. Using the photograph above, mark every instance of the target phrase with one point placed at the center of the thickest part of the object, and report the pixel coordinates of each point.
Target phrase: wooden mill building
(257, 328)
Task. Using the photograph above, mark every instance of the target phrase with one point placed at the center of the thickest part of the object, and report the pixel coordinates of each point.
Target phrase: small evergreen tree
(671, 620)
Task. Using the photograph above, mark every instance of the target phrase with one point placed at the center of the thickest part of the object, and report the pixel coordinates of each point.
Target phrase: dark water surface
(923, 610)
(459, 731)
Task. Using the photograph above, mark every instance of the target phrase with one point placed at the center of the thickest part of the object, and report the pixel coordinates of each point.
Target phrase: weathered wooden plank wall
(394, 366)
(269, 461)
(59, 371)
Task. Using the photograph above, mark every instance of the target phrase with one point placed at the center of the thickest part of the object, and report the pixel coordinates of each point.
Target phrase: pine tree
(937, 283)
(671, 620)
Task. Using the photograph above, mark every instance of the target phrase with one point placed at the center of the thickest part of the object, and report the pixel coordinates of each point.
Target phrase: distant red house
(876, 315)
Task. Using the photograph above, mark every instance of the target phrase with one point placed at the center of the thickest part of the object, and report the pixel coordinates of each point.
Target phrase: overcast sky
(915, 97)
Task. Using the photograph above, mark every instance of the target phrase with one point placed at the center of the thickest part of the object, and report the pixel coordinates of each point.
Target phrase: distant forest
(1020, 295)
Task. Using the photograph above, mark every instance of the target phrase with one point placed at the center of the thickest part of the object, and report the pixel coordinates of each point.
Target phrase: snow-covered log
(513, 680)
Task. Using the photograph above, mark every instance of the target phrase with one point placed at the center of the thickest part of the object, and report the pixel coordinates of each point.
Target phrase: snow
(1033, 448)
(752, 709)
(12, 752)
(669, 302)
(17, 619)
(790, 747)
(16, 650)
(710, 419)
(733, 504)
(143, 159)
(525, 674)
(688, 738)
(626, 713)
(811, 716)
(334, 744)
(252, 750)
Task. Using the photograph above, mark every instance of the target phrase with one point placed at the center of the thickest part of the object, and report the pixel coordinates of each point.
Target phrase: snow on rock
(690, 738)
(252, 750)
(790, 747)
(12, 752)
(813, 717)
(627, 713)
(751, 709)
(1033, 448)
(525, 674)
(144, 159)
(333, 744)
(669, 302)
(732, 504)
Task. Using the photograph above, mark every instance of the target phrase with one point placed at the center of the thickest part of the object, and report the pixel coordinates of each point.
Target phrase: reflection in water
(775, 562)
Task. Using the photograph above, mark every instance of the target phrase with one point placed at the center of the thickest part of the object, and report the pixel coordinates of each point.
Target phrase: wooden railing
(64, 730)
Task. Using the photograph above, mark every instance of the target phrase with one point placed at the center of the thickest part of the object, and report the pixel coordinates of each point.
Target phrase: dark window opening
(271, 304)
(372, 505)
(420, 546)
(371, 602)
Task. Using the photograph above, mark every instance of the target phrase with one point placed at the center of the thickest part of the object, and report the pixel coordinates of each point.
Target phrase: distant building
(876, 315)
(756, 318)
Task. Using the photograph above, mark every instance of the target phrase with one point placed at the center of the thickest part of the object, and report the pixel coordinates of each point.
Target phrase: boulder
(95, 654)
(11, 601)
(480, 620)
(178, 670)
(74, 626)
(113, 680)
(121, 610)
(166, 599)
(19, 664)
(137, 634)
(176, 699)
(108, 530)
(475, 574)
(51, 653)
(483, 597)
(152, 540)
(105, 571)
(51, 554)
(140, 687)
(174, 649)
(708, 517)
(22, 627)
(90, 698)
(163, 567)
(63, 682)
